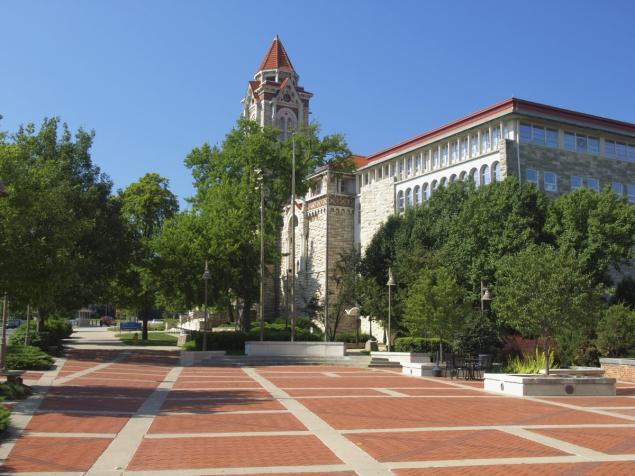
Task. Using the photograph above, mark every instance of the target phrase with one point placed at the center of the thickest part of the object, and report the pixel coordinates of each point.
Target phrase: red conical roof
(276, 57)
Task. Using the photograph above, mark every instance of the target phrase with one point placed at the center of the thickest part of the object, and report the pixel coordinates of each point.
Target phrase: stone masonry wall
(620, 369)
(377, 201)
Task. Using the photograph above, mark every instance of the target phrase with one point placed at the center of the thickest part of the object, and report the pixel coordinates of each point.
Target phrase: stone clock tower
(274, 97)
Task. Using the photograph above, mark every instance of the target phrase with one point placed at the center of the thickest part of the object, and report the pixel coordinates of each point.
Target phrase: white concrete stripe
(500, 461)
(354, 457)
(553, 443)
(247, 470)
(334, 375)
(124, 445)
(81, 373)
(392, 393)
(479, 427)
(159, 436)
(579, 408)
(221, 412)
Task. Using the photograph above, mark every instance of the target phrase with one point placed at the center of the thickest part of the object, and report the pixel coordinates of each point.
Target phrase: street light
(261, 180)
(391, 282)
(3, 352)
(485, 297)
(206, 278)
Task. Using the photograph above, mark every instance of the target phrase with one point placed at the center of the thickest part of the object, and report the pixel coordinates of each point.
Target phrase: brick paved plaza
(134, 412)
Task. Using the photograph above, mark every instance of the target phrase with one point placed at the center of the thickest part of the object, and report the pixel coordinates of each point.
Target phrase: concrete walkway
(115, 410)
(102, 338)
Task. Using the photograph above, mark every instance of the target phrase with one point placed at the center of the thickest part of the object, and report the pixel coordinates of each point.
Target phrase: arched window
(408, 198)
(474, 176)
(417, 196)
(426, 191)
(433, 187)
(496, 172)
(485, 176)
(452, 178)
(443, 182)
(463, 176)
(400, 204)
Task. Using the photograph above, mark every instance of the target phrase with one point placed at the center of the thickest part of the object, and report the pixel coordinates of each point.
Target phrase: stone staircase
(383, 363)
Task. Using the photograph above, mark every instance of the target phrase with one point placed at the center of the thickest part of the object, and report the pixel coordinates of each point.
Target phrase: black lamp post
(206, 278)
(485, 297)
(391, 282)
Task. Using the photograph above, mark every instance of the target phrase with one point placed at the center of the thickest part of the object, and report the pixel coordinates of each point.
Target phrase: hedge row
(234, 341)
(418, 344)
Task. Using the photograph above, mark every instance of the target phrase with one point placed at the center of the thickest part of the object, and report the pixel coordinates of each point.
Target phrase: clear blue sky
(157, 78)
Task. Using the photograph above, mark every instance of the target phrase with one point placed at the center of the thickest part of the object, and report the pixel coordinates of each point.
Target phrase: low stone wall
(295, 349)
(403, 357)
(619, 369)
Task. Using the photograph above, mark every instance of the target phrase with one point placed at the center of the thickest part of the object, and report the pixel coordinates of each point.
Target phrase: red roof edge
(276, 57)
(516, 105)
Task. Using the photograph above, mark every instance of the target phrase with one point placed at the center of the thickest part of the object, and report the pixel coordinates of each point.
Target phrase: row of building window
(581, 143)
(413, 196)
(470, 146)
(550, 183)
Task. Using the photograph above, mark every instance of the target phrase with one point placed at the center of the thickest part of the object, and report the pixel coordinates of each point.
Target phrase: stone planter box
(403, 357)
(191, 357)
(577, 372)
(295, 349)
(417, 369)
(620, 369)
(548, 386)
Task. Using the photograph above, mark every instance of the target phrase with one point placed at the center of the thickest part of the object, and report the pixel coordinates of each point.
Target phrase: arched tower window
(400, 202)
(474, 176)
(496, 172)
(417, 196)
(408, 198)
(485, 175)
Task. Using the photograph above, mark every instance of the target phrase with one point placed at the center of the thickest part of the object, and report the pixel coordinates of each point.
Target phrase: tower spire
(276, 57)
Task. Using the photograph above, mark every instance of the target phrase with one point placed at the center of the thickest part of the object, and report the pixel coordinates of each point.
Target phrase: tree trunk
(144, 318)
(440, 352)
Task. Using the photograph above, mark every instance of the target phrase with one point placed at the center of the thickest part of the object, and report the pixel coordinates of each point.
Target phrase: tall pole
(205, 278)
(389, 316)
(3, 352)
(262, 260)
(326, 264)
(28, 323)
(293, 239)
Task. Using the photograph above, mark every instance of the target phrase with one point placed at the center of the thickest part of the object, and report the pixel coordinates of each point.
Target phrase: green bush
(529, 363)
(14, 391)
(5, 417)
(28, 357)
(478, 335)
(234, 341)
(616, 331)
(351, 337)
(49, 339)
(417, 344)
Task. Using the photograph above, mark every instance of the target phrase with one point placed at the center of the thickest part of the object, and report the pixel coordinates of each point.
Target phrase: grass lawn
(154, 338)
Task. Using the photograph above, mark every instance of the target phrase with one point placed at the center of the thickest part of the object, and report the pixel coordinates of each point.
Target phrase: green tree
(228, 199)
(345, 280)
(61, 232)
(616, 331)
(145, 205)
(436, 306)
(598, 227)
(540, 291)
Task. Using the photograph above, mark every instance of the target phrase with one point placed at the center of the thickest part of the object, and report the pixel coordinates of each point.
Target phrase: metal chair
(484, 364)
(453, 365)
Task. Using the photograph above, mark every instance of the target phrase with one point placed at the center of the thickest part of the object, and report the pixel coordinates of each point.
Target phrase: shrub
(351, 337)
(417, 344)
(529, 363)
(616, 331)
(49, 339)
(234, 341)
(14, 391)
(28, 357)
(478, 335)
(5, 417)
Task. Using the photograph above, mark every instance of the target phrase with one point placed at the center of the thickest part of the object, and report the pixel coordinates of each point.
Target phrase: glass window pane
(630, 191)
(580, 143)
(464, 148)
(609, 148)
(485, 141)
(525, 132)
(496, 136)
(552, 138)
(620, 150)
(594, 145)
(444, 154)
(551, 182)
(631, 153)
(569, 140)
(617, 188)
(593, 184)
(576, 183)
(539, 135)
(474, 145)
(532, 176)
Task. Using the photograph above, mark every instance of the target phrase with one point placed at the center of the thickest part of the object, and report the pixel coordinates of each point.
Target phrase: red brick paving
(351, 413)
(226, 423)
(595, 401)
(212, 385)
(62, 423)
(220, 405)
(448, 445)
(450, 391)
(91, 404)
(77, 391)
(54, 454)
(607, 440)
(340, 392)
(322, 381)
(230, 452)
(334, 473)
(626, 468)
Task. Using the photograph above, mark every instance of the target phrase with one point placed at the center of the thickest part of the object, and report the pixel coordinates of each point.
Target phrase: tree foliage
(616, 331)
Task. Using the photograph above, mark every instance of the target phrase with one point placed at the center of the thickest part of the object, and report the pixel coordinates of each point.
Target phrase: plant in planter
(540, 291)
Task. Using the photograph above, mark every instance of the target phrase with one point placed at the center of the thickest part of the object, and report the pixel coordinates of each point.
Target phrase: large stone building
(557, 150)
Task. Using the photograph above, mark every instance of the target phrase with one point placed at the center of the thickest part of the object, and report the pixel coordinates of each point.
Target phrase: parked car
(14, 323)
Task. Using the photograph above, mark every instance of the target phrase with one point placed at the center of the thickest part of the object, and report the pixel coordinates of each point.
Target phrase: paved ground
(113, 410)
